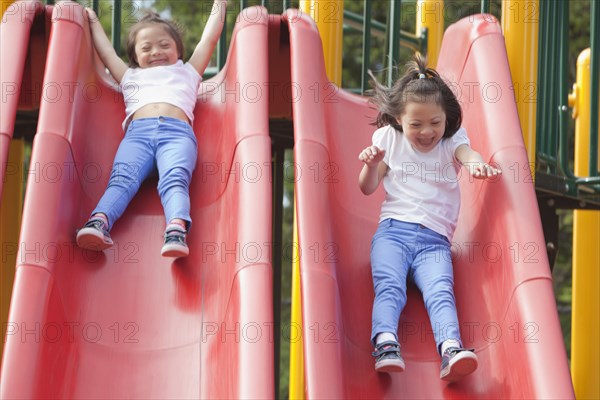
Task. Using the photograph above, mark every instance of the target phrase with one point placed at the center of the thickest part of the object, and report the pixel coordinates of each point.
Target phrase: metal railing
(395, 37)
(553, 145)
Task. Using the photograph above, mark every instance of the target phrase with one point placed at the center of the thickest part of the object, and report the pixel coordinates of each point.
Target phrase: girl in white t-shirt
(417, 152)
(160, 93)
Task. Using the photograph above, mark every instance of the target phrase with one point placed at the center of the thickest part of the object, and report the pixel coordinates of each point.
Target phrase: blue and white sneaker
(457, 363)
(175, 245)
(94, 235)
(388, 358)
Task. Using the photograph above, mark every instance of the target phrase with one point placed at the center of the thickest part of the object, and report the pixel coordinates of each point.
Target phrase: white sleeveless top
(175, 84)
(421, 187)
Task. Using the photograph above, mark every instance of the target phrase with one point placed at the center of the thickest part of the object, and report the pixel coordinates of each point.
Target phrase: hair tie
(422, 76)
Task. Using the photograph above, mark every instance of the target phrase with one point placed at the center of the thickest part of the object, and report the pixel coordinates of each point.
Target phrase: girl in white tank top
(160, 92)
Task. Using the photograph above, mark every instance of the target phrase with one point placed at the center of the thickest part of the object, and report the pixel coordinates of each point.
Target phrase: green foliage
(353, 44)
(579, 32)
(130, 13)
(191, 15)
(286, 273)
(562, 275)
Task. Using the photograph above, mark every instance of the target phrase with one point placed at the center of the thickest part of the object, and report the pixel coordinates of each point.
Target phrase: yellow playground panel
(585, 346)
(10, 211)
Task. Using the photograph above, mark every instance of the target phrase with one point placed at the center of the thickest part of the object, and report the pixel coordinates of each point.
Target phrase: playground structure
(186, 311)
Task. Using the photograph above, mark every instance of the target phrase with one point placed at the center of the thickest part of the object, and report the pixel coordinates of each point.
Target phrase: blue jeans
(165, 143)
(402, 250)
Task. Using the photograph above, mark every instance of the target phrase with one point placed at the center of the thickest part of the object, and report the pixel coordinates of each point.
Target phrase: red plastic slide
(128, 323)
(503, 283)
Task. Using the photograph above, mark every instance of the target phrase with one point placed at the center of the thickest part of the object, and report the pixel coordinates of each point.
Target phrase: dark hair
(153, 18)
(419, 84)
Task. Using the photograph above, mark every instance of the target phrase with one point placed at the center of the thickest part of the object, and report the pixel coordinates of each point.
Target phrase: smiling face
(423, 124)
(154, 46)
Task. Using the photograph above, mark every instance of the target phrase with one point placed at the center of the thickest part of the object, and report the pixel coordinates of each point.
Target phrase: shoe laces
(386, 348)
(97, 223)
(175, 235)
(452, 351)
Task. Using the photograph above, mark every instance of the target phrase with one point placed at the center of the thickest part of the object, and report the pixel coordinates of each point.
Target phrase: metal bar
(547, 158)
(286, 5)
(485, 6)
(366, 46)
(222, 47)
(359, 20)
(355, 22)
(394, 39)
(243, 4)
(594, 85)
(96, 6)
(549, 103)
(412, 41)
(551, 128)
(563, 88)
(278, 150)
(588, 181)
(542, 80)
(551, 107)
(116, 26)
(423, 48)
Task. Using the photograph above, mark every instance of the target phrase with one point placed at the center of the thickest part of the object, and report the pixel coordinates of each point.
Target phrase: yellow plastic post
(430, 15)
(10, 225)
(296, 342)
(520, 27)
(329, 16)
(585, 317)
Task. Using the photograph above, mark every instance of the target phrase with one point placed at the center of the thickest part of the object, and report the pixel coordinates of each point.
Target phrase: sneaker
(94, 235)
(175, 245)
(457, 363)
(388, 358)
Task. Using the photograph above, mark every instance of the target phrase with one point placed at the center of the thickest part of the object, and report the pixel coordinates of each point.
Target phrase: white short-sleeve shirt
(421, 187)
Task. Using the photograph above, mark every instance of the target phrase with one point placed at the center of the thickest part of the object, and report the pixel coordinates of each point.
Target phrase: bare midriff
(160, 110)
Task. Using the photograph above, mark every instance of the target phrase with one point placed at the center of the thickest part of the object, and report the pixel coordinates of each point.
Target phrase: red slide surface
(128, 323)
(503, 283)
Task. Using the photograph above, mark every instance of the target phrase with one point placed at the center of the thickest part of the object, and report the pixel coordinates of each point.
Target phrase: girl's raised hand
(91, 14)
(481, 170)
(371, 155)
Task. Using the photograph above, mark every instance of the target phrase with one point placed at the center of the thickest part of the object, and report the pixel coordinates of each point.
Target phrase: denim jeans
(404, 250)
(165, 143)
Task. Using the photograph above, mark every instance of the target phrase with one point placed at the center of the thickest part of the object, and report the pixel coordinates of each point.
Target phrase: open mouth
(426, 142)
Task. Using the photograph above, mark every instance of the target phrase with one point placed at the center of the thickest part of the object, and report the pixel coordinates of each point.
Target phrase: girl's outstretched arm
(212, 31)
(474, 162)
(103, 46)
(374, 169)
